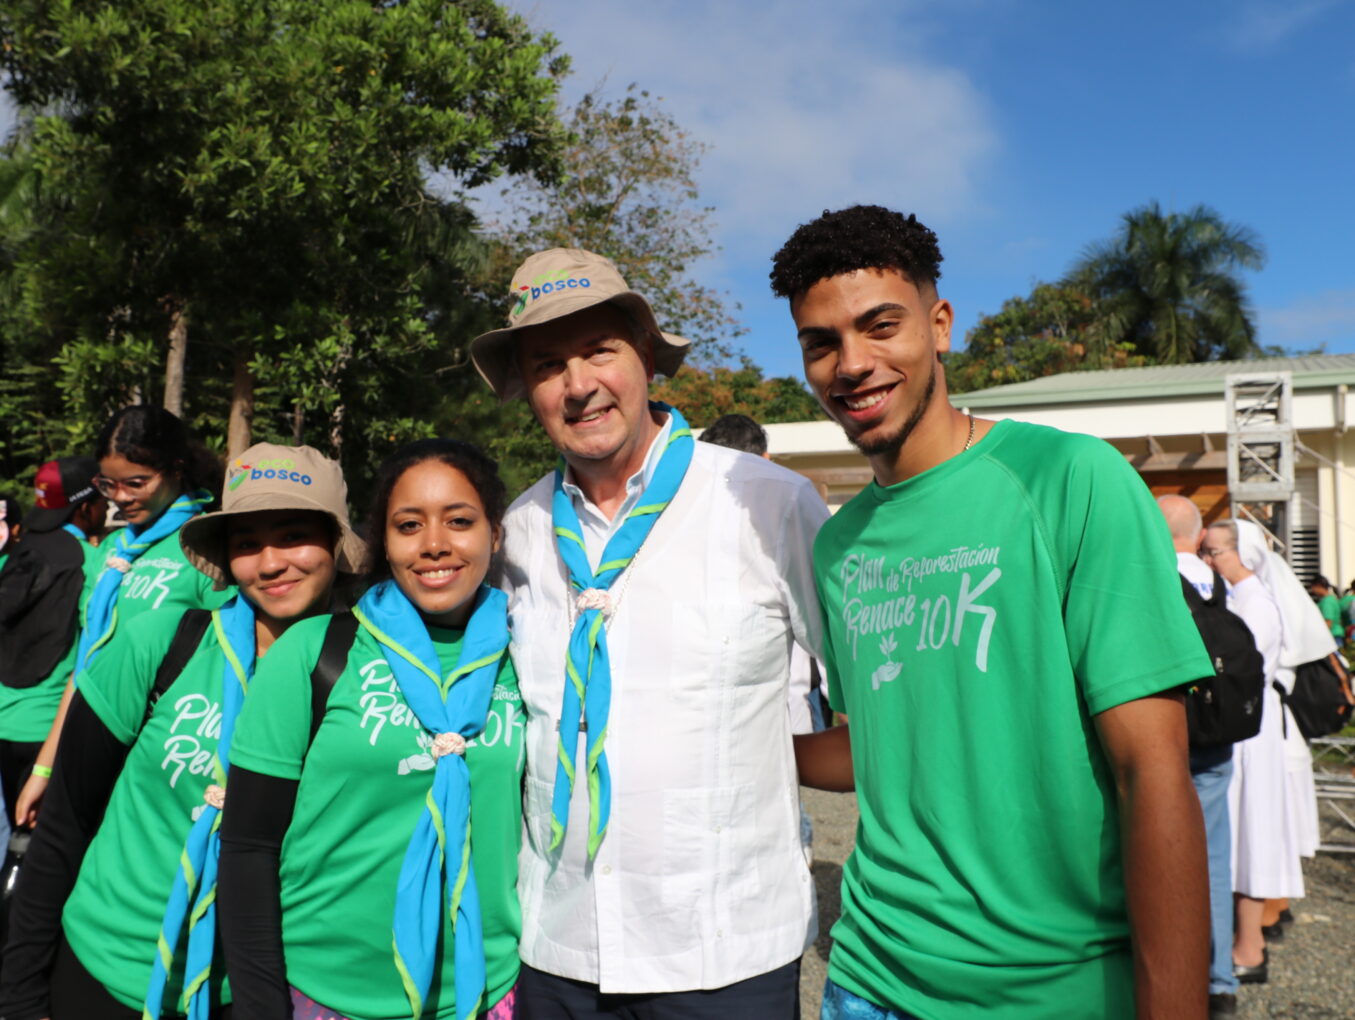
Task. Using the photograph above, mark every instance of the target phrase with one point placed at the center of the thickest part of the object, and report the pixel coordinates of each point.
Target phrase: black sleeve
(249, 906)
(89, 760)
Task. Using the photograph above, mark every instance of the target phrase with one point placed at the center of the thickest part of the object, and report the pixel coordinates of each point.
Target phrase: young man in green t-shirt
(1006, 633)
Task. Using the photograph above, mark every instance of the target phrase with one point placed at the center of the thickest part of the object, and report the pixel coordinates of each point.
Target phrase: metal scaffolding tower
(1261, 451)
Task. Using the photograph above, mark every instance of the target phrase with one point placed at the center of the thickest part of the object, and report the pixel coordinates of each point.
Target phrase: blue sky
(1019, 131)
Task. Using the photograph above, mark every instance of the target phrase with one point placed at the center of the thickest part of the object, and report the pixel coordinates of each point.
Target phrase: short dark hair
(480, 470)
(1319, 581)
(155, 438)
(858, 237)
(738, 432)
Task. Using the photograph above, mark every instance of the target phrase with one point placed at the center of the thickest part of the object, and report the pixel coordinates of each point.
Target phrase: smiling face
(141, 493)
(439, 541)
(870, 340)
(283, 562)
(588, 385)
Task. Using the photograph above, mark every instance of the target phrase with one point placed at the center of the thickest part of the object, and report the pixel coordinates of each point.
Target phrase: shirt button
(719, 828)
(606, 869)
(719, 933)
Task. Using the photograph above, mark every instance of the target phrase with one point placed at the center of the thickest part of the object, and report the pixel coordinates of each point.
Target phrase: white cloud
(1312, 319)
(1264, 23)
(805, 107)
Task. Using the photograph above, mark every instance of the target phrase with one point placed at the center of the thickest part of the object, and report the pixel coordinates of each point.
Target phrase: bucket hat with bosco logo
(559, 282)
(272, 477)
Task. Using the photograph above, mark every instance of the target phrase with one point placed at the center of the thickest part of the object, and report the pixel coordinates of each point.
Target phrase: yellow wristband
(42, 770)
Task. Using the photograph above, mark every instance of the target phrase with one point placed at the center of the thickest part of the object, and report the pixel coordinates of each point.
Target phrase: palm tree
(1168, 285)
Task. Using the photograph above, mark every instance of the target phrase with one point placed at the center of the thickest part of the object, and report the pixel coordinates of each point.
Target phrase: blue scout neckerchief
(453, 710)
(101, 610)
(235, 634)
(587, 670)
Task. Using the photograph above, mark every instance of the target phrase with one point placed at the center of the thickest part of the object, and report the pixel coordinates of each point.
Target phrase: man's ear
(942, 318)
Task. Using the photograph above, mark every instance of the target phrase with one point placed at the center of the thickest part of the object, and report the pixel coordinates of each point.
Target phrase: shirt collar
(636, 483)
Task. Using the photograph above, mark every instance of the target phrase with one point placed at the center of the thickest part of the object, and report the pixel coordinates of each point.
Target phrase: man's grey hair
(1183, 516)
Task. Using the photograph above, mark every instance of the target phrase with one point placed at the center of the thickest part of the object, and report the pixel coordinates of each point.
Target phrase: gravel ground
(1312, 970)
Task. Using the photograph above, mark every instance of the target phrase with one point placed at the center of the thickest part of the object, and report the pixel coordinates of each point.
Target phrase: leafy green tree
(250, 176)
(1168, 285)
(704, 394)
(1054, 329)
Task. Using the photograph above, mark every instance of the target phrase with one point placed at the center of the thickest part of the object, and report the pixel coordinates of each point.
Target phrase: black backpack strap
(192, 626)
(343, 627)
(1220, 594)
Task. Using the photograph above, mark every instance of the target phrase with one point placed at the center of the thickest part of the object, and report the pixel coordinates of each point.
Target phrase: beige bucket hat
(272, 477)
(559, 282)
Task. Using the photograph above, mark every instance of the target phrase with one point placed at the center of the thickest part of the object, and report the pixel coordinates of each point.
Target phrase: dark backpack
(1317, 702)
(40, 589)
(193, 625)
(1225, 708)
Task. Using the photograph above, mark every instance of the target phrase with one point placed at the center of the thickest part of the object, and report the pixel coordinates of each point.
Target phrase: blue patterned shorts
(840, 1004)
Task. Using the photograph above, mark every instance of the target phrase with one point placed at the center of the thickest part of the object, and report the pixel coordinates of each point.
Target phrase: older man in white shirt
(656, 588)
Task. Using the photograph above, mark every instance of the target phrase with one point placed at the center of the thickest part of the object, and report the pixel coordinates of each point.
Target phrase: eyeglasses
(133, 486)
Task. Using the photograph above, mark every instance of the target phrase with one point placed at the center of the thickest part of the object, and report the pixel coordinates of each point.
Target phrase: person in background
(398, 811)
(159, 477)
(1211, 771)
(41, 615)
(1265, 840)
(114, 912)
(1264, 860)
(1329, 605)
(737, 432)
(11, 524)
(11, 517)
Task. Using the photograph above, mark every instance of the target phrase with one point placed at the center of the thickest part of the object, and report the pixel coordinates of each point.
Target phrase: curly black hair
(858, 237)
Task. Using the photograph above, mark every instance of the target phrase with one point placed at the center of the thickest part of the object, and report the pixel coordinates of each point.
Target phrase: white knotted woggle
(215, 796)
(448, 743)
(594, 598)
(118, 564)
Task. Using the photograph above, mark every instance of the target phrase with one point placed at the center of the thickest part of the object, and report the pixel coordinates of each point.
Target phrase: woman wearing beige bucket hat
(116, 905)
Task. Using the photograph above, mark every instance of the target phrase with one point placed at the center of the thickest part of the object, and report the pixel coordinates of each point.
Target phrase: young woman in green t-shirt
(159, 477)
(114, 905)
(369, 862)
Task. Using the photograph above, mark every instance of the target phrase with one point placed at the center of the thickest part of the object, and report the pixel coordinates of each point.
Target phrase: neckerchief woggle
(439, 853)
(195, 881)
(101, 616)
(588, 674)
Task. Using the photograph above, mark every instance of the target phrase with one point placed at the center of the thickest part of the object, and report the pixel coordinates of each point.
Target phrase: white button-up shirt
(700, 880)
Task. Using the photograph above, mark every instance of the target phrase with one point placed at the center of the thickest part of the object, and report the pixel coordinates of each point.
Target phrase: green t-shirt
(1330, 608)
(161, 578)
(363, 786)
(113, 916)
(978, 615)
(27, 714)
